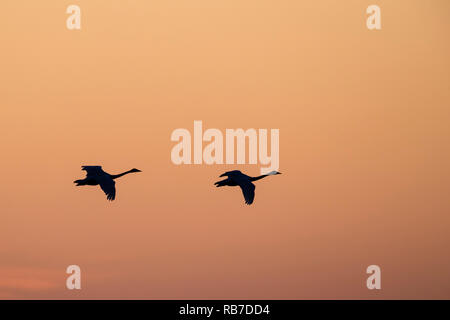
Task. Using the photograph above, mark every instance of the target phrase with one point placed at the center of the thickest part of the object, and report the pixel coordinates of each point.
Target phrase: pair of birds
(96, 176)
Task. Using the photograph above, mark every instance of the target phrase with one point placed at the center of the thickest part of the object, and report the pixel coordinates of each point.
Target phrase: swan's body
(96, 176)
(237, 178)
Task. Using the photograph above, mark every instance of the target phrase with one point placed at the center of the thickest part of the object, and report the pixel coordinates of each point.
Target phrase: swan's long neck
(258, 177)
(115, 176)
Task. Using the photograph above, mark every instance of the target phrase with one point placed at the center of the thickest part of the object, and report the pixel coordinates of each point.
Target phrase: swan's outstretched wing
(234, 173)
(108, 186)
(248, 190)
(93, 170)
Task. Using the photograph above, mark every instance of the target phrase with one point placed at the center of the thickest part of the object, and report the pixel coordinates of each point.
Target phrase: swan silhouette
(237, 178)
(96, 176)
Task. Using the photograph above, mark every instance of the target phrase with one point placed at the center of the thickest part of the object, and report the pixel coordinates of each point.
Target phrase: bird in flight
(237, 178)
(96, 176)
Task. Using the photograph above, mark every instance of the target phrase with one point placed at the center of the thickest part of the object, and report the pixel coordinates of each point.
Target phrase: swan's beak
(278, 172)
(222, 175)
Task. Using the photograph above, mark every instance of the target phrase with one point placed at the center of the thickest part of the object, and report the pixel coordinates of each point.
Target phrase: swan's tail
(79, 182)
(221, 183)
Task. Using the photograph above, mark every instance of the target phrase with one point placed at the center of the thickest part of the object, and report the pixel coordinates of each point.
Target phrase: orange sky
(364, 135)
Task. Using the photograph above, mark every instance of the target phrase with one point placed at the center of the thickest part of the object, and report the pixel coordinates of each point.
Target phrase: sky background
(364, 149)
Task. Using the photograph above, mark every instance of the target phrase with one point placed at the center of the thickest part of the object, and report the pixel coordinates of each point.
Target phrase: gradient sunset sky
(364, 120)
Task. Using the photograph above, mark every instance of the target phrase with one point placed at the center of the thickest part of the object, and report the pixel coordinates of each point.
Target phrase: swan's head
(135, 170)
(272, 173)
